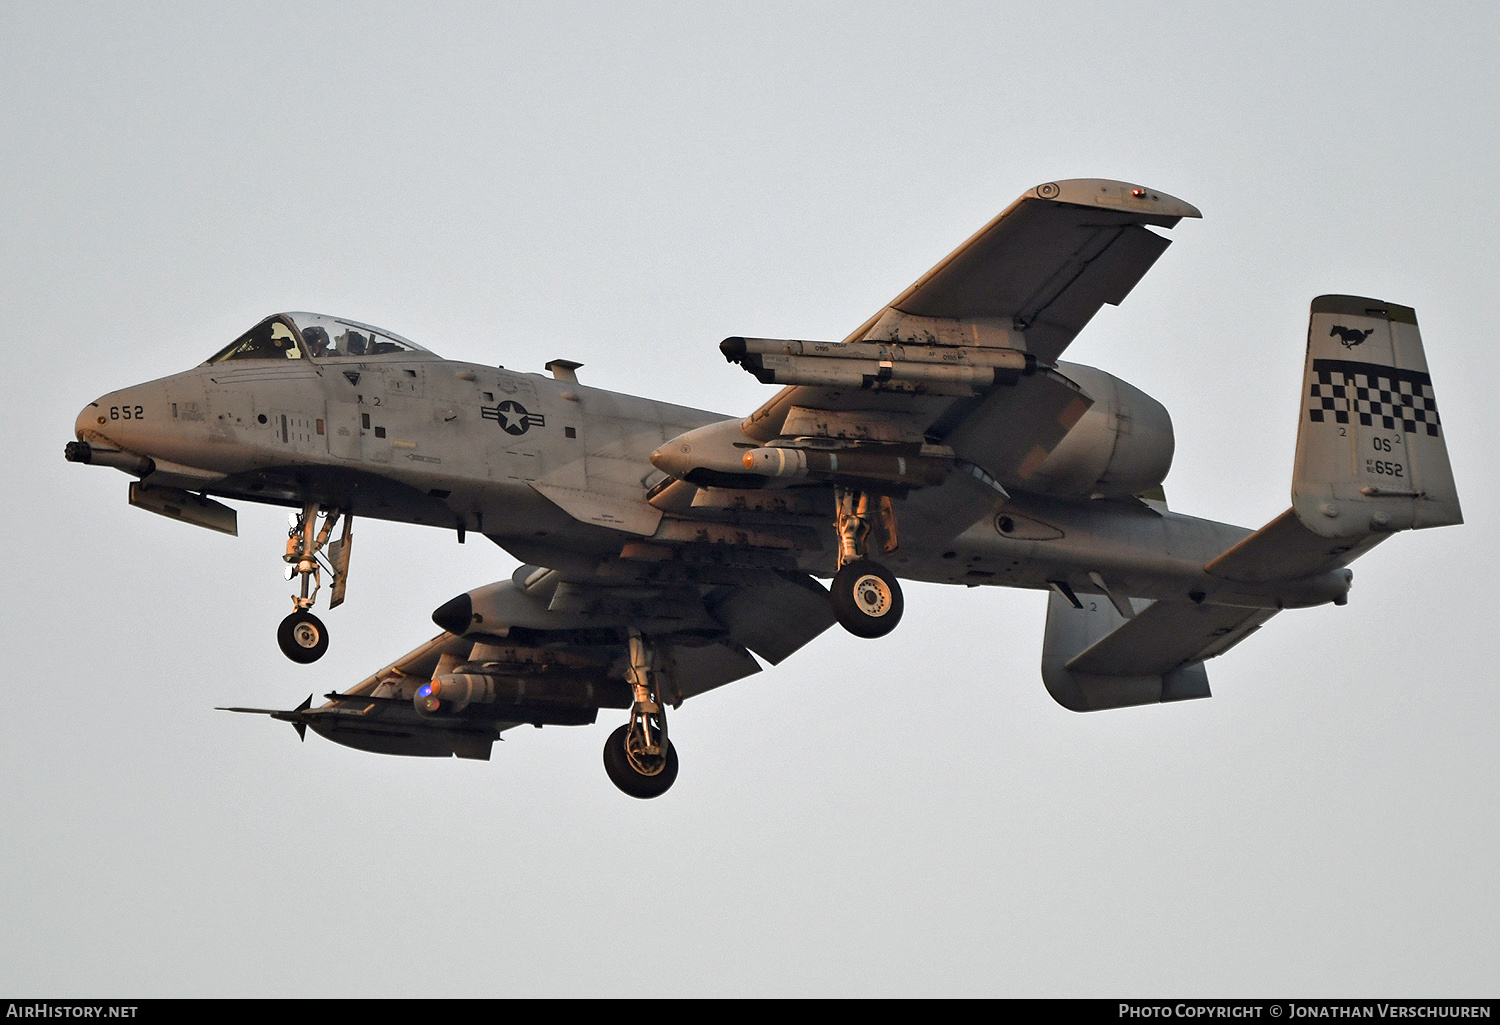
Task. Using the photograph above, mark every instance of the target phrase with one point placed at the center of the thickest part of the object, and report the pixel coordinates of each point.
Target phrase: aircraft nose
(89, 421)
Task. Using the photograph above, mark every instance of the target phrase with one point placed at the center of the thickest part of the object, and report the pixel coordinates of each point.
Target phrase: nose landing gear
(866, 596)
(302, 636)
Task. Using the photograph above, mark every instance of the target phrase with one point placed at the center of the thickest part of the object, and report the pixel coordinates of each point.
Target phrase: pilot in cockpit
(317, 341)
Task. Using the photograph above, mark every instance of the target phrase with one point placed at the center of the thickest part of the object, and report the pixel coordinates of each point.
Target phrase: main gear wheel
(867, 598)
(635, 772)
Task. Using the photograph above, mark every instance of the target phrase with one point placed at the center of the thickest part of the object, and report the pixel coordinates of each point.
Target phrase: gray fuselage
(413, 438)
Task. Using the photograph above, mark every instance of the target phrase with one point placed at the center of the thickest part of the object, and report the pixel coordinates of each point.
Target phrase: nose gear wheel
(303, 637)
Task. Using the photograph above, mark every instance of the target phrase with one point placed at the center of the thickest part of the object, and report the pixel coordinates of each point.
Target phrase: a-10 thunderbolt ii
(942, 440)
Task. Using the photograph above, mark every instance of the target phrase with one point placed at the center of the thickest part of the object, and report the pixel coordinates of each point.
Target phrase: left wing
(541, 650)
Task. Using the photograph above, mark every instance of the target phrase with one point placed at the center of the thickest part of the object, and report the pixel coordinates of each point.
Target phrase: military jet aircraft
(942, 440)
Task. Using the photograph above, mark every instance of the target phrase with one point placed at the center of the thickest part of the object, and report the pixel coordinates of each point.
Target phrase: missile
(910, 468)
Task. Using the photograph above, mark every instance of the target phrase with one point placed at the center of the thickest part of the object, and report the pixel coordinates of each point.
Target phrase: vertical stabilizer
(1371, 454)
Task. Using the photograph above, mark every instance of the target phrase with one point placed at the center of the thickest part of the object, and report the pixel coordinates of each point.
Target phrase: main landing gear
(866, 596)
(638, 757)
(302, 636)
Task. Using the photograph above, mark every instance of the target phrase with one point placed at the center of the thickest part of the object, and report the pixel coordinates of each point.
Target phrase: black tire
(867, 599)
(624, 774)
(303, 637)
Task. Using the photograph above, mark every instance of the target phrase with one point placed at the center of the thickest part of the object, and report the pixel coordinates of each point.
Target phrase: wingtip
(1115, 195)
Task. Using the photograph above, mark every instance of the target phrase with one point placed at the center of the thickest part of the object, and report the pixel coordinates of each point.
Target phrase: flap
(776, 618)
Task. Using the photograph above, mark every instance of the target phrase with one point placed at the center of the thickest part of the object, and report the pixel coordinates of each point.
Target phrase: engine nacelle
(1122, 446)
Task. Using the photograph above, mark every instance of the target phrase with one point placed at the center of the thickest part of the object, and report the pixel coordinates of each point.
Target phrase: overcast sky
(625, 185)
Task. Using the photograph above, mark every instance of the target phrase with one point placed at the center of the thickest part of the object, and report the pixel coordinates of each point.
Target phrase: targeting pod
(452, 693)
(561, 698)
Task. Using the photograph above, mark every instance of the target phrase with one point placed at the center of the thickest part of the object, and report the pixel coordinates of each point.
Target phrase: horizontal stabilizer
(1075, 631)
(1284, 550)
(1167, 636)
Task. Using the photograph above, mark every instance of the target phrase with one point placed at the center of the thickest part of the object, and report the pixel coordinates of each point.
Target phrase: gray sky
(625, 185)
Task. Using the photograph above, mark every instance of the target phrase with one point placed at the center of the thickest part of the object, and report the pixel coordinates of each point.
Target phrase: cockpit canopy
(318, 337)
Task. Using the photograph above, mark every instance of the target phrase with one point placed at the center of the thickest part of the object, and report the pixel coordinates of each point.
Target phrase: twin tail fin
(1371, 452)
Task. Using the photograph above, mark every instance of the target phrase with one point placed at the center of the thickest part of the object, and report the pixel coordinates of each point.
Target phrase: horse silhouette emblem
(1350, 336)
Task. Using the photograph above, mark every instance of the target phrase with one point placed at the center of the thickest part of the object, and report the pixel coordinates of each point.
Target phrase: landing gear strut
(638, 757)
(866, 596)
(302, 636)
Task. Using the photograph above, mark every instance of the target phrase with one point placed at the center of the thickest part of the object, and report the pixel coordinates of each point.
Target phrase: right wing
(1021, 288)
(1039, 271)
